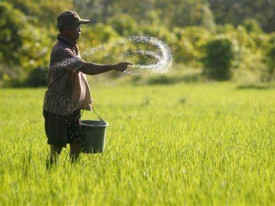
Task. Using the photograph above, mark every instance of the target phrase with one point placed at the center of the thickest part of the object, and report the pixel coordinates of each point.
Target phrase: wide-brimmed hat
(70, 17)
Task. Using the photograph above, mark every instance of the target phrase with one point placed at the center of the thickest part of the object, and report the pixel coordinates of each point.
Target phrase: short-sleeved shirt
(68, 89)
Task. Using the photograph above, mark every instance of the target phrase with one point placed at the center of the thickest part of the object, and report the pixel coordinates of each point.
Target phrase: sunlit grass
(174, 144)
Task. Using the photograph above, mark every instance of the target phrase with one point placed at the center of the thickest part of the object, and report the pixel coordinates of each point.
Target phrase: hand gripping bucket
(93, 135)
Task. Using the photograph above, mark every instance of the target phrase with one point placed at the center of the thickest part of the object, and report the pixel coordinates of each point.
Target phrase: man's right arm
(94, 69)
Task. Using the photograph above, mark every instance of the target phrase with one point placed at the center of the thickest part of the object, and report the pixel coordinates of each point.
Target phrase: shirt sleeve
(70, 60)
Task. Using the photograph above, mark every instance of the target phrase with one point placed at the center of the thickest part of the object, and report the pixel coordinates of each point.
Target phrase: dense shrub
(38, 77)
(12, 76)
(188, 47)
(252, 25)
(251, 69)
(270, 58)
(219, 56)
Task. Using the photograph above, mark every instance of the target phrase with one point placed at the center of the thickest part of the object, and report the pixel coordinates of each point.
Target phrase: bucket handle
(99, 117)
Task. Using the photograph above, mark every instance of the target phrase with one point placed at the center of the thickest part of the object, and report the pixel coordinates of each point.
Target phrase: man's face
(74, 31)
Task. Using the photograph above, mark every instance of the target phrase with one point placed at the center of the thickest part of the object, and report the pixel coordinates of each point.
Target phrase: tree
(236, 12)
(41, 12)
(12, 24)
(24, 46)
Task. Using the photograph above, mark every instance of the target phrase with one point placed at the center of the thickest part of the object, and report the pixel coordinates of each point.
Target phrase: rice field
(182, 144)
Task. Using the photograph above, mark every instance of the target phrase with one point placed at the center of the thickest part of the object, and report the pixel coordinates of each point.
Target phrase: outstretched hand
(122, 66)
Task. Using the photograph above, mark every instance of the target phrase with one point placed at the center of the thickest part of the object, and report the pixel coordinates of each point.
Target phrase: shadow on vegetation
(256, 86)
(190, 78)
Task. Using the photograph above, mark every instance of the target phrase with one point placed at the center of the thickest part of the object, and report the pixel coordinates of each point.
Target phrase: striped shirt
(68, 89)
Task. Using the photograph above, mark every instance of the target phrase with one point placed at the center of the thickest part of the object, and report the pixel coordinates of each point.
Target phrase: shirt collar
(60, 37)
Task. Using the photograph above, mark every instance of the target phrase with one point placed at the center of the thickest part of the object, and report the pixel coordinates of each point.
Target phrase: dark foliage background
(28, 31)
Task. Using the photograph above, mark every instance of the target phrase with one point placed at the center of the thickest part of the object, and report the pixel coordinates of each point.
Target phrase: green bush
(252, 25)
(251, 69)
(12, 76)
(270, 59)
(188, 47)
(37, 77)
(219, 57)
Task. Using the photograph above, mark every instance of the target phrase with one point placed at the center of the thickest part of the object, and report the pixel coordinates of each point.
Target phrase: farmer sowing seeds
(68, 91)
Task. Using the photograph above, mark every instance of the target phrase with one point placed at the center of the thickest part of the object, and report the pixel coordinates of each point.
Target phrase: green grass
(193, 144)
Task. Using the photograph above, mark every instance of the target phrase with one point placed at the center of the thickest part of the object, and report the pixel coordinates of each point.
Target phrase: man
(68, 91)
